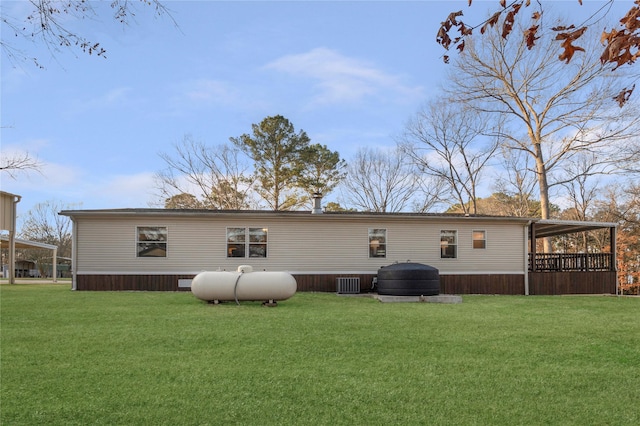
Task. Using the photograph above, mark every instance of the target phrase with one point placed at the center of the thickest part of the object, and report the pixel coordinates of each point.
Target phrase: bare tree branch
(379, 181)
(517, 182)
(218, 175)
(445, 141)
(49, 24)
(18, 162)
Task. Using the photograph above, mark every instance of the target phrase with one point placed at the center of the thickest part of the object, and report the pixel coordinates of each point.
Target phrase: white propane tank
(214, 286)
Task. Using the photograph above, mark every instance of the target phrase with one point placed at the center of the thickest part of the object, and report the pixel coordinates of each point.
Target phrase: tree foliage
(551, 111)
(279, 155)
(183, 201)
(333, 206)
(275, 149)
(621, 44)
(621, 204)
(201, 176)
(286, 171)
(322, 169)
(500, 204)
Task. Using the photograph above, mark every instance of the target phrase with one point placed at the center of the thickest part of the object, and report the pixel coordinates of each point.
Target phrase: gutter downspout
(74, 254)
(526, 258)
(54, 266)
(12, 241)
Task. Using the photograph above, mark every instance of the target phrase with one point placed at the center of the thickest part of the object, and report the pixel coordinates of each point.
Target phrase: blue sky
(350, 74)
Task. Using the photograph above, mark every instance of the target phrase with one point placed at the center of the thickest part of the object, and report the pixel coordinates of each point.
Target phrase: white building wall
(321, 243)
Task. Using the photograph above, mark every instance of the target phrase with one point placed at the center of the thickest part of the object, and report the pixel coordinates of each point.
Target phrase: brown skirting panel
(130, 282)
(328, 283)
(552, 283)
(482, 284)
(449, 284)
(540, 283)
(322, 283)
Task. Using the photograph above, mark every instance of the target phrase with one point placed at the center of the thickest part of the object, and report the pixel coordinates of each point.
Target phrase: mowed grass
(137, 358)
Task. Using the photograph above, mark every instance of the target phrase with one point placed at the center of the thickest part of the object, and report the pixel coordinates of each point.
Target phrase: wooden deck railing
(554, 262)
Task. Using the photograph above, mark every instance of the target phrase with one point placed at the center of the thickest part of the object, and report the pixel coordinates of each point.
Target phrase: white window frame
(159, 242)
(247, 242)
(484, 239)
(444, 245)
(375, 245)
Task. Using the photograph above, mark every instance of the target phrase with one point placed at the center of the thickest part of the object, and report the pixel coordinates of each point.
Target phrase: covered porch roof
(550, 227)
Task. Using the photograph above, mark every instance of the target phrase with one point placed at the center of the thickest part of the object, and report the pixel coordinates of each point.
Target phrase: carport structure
(24, 244)
(8, 203)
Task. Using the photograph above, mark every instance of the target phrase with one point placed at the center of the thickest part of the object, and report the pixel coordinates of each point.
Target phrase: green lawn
(168, 358)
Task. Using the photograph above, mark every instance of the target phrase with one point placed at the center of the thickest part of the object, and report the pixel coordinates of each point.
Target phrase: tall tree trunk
(544, 192)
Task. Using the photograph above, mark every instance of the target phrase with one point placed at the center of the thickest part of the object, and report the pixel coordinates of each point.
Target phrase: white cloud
(205, 90)
(113, 98)
(116, 95)
(52, 182)
(120, 191)
(74, 185)
(24, 146)
(14, 79)
(49, 178)
(213, 92)
(342, 79)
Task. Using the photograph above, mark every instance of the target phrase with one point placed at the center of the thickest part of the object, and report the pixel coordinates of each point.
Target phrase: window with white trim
(151, 241)
(247, 242)
(377, 242)
(479, 239)
(448, 244)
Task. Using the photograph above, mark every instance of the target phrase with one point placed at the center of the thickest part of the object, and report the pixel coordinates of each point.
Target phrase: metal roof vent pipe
(317, 203)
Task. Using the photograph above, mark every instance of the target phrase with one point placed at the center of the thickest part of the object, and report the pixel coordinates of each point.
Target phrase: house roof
(128, 212)
(543, 227)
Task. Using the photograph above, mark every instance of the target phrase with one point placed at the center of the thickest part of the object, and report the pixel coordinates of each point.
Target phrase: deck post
(532, 255)
(527, 260)
(612, 238)
(612, 263)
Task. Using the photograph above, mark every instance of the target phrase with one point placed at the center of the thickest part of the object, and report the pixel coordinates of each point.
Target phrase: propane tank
(244, 284)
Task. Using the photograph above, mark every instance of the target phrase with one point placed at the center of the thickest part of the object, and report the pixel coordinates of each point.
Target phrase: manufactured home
(163, 249)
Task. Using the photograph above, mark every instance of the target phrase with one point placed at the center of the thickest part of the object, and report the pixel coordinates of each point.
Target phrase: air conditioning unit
(348, 285)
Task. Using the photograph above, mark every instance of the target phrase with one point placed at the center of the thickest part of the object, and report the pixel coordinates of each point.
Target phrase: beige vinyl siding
(297, 243)
(109, 245)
